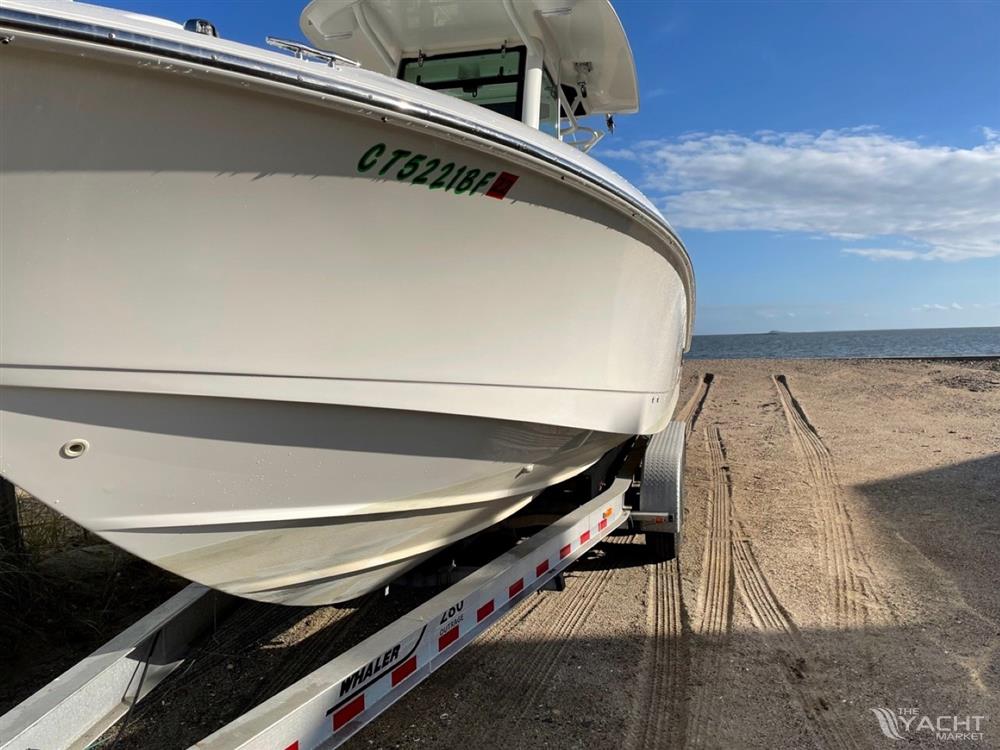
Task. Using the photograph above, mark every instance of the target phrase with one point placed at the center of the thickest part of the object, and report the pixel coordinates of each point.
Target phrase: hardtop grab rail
(304, 51)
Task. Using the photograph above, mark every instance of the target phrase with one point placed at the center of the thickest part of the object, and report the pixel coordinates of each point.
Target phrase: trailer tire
(661, 492)
(661, 547)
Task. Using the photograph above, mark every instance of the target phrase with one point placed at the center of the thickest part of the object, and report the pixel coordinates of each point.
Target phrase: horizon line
(845, 330)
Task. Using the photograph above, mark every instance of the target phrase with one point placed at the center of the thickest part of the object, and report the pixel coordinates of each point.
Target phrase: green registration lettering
(457, 175)
(411, 167)
(483, 182)
(398, 154)
(421, 179)
(466, 183)
(370, 157)
(420, 169)
(446, 170)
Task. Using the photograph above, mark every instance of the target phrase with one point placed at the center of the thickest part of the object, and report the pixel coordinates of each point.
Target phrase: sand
(841, 553)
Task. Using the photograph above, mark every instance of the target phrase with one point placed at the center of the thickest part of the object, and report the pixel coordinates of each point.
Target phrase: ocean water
(915, 342)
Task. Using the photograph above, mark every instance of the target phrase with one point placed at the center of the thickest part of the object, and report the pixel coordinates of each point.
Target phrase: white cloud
(618, 153)
(932, 306)
(937, 202)
(767, 313)
(882, 253)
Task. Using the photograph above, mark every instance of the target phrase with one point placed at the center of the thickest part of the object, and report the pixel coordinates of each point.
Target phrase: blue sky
(830, 166)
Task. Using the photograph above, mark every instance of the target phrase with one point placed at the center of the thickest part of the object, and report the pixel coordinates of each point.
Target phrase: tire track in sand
(851, 589)
(556, 618)
(692, 409)
(729, 562)
(572, 619)
(715, 592)
(666, 658)
(773, 621)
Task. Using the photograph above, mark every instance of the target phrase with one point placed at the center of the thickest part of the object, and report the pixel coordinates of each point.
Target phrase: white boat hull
(297, 376)
(287, 502)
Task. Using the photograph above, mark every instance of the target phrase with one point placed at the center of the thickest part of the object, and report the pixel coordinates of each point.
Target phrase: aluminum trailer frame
(330, 705)
(78, 706)
(334, 702)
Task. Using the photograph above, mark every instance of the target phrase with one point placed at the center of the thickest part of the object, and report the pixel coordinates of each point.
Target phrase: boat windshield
(490, 78)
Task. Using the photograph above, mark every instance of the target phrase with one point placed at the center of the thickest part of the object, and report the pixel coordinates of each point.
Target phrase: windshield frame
(517, 78)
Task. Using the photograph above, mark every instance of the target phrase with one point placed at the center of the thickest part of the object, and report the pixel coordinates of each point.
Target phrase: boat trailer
(328, 706)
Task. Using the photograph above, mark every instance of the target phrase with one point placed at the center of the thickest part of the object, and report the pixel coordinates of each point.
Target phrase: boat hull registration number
(433, 173)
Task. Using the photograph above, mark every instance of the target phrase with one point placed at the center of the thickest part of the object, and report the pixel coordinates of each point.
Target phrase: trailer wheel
(661, 547)
(661, 492)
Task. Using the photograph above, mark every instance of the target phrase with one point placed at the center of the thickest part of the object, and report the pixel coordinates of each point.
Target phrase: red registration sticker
(502, 185)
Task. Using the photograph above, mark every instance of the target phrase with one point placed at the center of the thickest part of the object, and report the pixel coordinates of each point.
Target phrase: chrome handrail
(593, 137)
(303, 51)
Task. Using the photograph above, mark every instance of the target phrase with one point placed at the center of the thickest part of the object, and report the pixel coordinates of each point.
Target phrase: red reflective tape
(344, 714)
(404, 670)
(585, 537)
(485, 611)
(515, 588)
(501, 185)
(448, 638)
(564, 552)
(603, 524)
(541, 568)
(293, 746)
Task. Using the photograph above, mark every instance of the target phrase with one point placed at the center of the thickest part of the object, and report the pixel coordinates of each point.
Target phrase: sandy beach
(840, 554)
